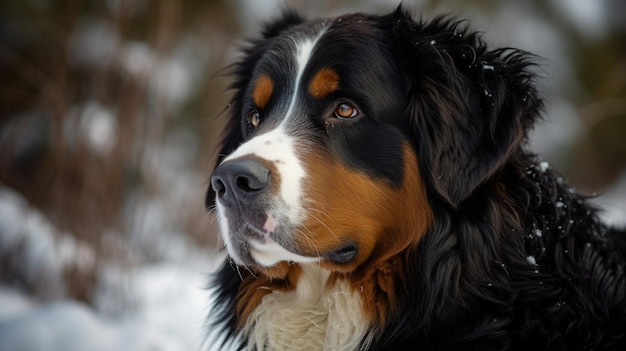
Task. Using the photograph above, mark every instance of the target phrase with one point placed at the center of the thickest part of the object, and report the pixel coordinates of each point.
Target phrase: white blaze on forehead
(279, 148)
(304, 50)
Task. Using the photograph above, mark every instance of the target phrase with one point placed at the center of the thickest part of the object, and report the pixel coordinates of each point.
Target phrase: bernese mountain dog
(375, 191)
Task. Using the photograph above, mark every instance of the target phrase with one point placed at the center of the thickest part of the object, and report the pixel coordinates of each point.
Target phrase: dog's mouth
(254, 237)
(257, 238)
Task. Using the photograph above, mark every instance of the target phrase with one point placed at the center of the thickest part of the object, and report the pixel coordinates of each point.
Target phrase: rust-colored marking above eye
(325, 82)
(263, 89)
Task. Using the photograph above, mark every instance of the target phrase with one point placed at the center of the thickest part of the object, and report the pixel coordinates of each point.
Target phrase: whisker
(251, 272)
(310, 241)
(326, 226)
(236, 268)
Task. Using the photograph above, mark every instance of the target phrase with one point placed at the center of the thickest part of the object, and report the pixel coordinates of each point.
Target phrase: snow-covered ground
(172, 305)
(164, 307)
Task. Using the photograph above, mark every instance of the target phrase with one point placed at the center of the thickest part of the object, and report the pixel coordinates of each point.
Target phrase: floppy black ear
(470, 108)
(241, 72)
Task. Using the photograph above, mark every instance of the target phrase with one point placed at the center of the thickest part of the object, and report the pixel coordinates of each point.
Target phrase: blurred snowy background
(109, 119)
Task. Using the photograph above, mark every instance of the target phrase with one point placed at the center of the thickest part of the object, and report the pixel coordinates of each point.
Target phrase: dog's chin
(268, 253)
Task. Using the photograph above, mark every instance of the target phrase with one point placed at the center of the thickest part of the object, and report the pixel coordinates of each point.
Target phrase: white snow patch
(553, 136)
(589, 16)
(92, 124)
(613, 203)
(175, 74)
(165, 310)
(137, 58)
(62, 325)
(252, 12)
(93, 44)
(14, 304)
(171, 306)
(35, 251)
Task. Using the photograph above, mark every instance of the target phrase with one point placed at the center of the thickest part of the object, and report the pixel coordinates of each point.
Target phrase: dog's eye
(346, 111)
(254, 119)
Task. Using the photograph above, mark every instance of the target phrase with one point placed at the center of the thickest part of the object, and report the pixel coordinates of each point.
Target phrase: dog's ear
(241, 72)
(469, 108)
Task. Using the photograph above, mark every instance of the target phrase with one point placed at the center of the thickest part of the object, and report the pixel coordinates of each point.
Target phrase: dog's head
(346, 134)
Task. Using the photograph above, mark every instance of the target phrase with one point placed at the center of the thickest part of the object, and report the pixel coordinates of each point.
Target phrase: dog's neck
(314, 316)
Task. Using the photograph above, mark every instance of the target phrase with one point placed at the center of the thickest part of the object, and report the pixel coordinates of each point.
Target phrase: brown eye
(255, 118)
(345, 111)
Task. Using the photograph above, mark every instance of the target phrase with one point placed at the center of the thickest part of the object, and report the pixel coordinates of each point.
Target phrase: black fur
(472, 282)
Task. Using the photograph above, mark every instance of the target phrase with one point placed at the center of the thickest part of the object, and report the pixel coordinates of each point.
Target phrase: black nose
(240, 181)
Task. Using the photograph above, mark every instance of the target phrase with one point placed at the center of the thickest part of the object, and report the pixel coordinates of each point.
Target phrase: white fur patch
(304, 49)
(269, 253)
(279, 148)
(309, 318)
(223, 224)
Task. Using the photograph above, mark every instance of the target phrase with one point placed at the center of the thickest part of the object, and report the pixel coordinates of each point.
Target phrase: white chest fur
(309, 318)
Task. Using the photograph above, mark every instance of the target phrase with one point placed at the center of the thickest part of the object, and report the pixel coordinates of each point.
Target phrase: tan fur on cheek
(385, 222)
(348, 206)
